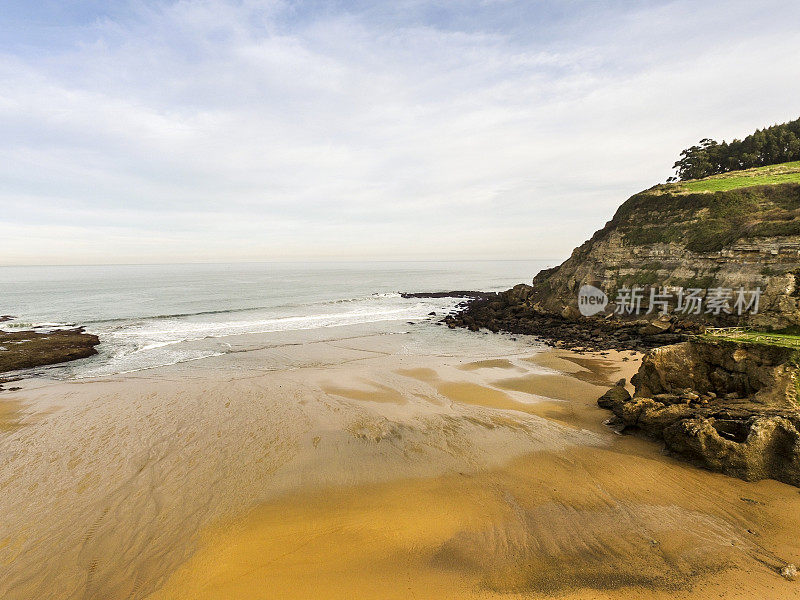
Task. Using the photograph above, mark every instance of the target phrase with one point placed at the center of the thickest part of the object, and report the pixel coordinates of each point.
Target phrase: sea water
(154, 315)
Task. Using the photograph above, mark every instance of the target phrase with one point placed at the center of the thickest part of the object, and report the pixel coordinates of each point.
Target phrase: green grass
(783, 173)
(783, 340)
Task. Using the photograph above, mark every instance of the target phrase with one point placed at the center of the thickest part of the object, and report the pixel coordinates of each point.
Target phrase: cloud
(205, 130)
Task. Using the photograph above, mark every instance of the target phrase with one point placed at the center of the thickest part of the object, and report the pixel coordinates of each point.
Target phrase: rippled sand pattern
(390, 476)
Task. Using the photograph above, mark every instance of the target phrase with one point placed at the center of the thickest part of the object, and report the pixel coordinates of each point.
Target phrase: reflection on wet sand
(544, 525)
(9, 415)
(390, 477)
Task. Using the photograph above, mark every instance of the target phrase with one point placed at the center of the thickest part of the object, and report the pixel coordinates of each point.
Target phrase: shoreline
(374, 458)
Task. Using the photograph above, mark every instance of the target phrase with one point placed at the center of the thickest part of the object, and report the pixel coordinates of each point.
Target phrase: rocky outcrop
(764, 374)
(668, 240)
(667, 237)
(511, 311)
(27, 349)
(450, 294)
(728, 406)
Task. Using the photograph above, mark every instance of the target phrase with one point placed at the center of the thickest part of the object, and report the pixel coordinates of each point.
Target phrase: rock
(28, 349)
(789, 572)
(614, 397)
(667, 398)
(667, 245)
(518, 294)
(720, 368)
(451, 294)
(570, 313)
(753, 433)
(656, 327)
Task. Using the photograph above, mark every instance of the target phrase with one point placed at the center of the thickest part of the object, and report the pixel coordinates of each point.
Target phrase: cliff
(738, 230)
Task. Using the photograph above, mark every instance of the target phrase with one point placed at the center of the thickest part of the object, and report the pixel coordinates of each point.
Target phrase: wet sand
(370, 472)
(9, 411)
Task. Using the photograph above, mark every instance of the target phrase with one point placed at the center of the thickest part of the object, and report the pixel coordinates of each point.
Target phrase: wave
(36, 325)
(222, 311)
(156, 333)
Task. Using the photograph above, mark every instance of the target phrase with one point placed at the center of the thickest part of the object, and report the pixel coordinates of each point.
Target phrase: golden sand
(496, 363)
(9, 415)
(545, 526)
(394, 476)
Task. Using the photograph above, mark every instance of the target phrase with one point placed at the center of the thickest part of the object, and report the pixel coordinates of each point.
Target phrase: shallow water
(154, 315)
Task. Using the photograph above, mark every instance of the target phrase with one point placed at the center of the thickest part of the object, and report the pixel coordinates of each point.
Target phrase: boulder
(751, 431)
(662, 324)
(616, 396)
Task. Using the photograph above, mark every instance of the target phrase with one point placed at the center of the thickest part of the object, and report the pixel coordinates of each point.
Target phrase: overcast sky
(220, 131)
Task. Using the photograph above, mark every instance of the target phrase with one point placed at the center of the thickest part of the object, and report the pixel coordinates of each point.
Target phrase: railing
(727, 331)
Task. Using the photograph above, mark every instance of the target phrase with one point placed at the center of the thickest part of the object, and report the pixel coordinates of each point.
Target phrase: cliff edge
(735, 231)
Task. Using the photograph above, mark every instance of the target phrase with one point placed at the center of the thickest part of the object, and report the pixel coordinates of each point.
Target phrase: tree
(773, 145)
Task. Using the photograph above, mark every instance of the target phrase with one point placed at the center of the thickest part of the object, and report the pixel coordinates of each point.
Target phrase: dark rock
(614, 397)
(451, 294)
(659, 326)
(28, 349)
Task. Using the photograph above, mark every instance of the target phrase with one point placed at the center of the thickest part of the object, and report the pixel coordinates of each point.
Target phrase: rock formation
(728, 406)
(27, 349)
(713, 237)
(512, 311)
(668, 237)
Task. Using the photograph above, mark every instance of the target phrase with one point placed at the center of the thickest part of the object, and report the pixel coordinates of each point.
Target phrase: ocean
(155, 315)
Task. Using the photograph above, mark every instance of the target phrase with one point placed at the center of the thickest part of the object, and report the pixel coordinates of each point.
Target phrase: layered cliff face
(731, 407)
(693, 235)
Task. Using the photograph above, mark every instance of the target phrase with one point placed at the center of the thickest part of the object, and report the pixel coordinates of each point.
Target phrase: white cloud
(221, 131)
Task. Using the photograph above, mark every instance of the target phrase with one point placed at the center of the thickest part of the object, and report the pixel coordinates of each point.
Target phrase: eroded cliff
(672, 237)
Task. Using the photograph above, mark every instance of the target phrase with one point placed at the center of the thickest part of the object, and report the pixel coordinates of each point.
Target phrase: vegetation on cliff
(773, 145)
(709, 221)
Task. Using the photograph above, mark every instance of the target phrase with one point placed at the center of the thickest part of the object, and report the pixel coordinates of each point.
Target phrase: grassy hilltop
(782, 173)
(706, 215)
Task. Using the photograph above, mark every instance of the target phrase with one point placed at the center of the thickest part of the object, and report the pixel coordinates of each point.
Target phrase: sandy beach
(369, 466)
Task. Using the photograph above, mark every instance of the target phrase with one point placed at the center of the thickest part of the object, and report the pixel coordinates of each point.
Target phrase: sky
(215, 131)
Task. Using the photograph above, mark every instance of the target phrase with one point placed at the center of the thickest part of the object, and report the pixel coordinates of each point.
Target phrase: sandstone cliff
(672, 236)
